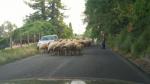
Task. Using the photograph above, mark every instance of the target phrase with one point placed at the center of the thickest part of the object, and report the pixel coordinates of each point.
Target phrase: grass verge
(9, 55)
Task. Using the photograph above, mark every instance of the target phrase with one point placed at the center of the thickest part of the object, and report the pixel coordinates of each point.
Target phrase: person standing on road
(103, 45)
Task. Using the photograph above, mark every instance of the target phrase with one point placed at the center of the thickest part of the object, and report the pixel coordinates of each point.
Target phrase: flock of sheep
(66, 47)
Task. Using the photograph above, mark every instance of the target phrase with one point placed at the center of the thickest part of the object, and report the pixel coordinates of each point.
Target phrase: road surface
(94, 63)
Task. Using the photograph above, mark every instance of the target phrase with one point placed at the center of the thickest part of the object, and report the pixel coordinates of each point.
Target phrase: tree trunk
(39, 36)
(20, 41)
(43, 9)
(28, 39)
(34, 38)
(10, 42)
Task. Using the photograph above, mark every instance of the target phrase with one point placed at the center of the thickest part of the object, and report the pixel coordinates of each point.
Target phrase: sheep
(72, 48)
(43, 47)
(78, 48)
(86, 42)
(51, 47)
(58, 48)
(68, 47)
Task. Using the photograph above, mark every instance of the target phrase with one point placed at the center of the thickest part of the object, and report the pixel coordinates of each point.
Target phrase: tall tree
(126, 22)
(9, 28)
(45, 10)
(40, 10)
(2, 31)
(107, 15)
(70, 25)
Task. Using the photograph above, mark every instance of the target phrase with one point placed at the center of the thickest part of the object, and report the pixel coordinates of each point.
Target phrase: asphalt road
(94, 63)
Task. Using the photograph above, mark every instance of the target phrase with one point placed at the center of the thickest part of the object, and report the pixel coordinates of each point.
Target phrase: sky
(16, 10)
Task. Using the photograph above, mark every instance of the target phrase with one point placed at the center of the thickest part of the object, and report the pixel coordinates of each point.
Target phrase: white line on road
(60, 66)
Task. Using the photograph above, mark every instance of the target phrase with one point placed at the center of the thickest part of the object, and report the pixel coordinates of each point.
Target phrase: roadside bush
(4, 43)
(141, 45)
(119, 39)
(9, 55)
(111, 41)
(126, 44)
(148, 52)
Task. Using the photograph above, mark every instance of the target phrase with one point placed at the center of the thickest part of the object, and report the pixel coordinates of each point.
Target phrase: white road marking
(60, 66)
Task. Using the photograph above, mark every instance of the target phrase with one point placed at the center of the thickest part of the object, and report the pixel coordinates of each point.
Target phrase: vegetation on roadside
(4, 42)
(126, 23)
(9, 55)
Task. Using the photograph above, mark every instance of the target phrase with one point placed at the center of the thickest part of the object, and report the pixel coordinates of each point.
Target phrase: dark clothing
(103, 44)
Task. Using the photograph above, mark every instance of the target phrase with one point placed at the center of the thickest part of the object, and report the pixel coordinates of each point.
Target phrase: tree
(70, 28)
(40, 10)
(2, 31)
(70, 25)
(48, 10)
(125, 22)
(8, 28)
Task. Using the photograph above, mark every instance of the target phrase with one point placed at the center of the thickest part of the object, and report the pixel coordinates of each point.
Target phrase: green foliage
(6, 29)
(67, 33)
(42, 28)
(47, 19)
(87, 33)
(142, 44)
(48, 10)
(4, 42)
(148, 50)
(126, 44)
(37, 27)
(106, 15)
(2, 31)
(125, 21)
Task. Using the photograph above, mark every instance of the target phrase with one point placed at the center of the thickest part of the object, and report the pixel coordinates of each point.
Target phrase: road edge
(142, 73)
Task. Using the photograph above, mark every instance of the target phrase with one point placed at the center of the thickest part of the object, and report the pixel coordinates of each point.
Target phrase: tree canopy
(125, 21)
(46, 19)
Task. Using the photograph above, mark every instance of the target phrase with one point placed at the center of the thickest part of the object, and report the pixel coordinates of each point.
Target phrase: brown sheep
(43, 48)
(68, 47)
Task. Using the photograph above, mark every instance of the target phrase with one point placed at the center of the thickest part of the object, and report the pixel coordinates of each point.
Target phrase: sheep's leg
(62, 52)
(72, 51)
(79, 52)
(58, 52)
(65, 52)
(50, 52)
(68, 52)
